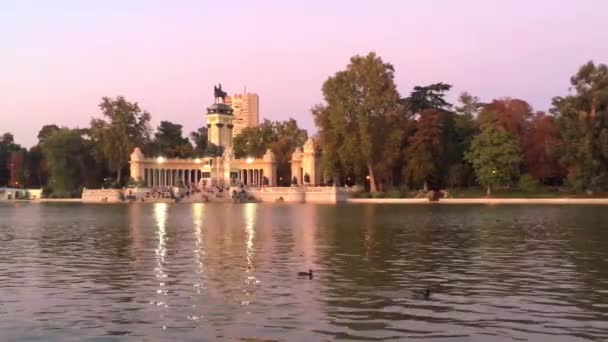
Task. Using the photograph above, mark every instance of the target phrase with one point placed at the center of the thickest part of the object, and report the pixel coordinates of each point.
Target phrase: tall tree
(199, 140)
(539, 148)
(428, 97)
(254, 141)
(70, 160)
(127, 126)
(36, 168)
(17, 168)
(582, 119)
(281, 137)
(425, 149)
(170, 143)
(460, 172)
(288, 137)
(45, 132)
(7, 147)
(495, 154)
(362, 102)
(329, 142)
(511, 114)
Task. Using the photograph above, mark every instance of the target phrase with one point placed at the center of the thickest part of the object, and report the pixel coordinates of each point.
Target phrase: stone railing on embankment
(102, 195)
(301, 194)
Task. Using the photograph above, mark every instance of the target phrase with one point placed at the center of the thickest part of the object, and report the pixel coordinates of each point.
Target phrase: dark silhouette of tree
(169, 141)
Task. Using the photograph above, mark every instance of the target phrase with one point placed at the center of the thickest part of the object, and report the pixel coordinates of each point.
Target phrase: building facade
(223, 170)
(246, 110)
(305, 169)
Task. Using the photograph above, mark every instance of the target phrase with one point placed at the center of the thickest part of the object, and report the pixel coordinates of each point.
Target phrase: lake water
(205, 272)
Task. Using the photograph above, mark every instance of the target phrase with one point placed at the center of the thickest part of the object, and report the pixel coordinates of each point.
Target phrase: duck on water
(306, 274)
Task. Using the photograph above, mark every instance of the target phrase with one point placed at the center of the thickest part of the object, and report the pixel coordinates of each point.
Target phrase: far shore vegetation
(393, 145)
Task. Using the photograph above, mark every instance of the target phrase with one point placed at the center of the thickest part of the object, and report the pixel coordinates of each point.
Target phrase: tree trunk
(372, 178)
(425, 186)
(119, 176)
(489, 190)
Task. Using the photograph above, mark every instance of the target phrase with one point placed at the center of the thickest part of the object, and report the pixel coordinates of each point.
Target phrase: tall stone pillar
(136, 162)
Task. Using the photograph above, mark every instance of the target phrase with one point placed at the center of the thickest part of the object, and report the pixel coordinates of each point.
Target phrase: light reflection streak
(250, 215)
(198, 212)
(160, 216)
(250, 212)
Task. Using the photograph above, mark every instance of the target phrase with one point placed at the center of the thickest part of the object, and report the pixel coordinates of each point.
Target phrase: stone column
(262, 177)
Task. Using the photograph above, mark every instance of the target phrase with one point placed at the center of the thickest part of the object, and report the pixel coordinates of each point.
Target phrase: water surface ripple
(205, 272)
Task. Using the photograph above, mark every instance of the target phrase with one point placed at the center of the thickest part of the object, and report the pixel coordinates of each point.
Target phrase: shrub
(528, 184)
(404, 191)
(378, 195)
(362, 194)
(393, 193)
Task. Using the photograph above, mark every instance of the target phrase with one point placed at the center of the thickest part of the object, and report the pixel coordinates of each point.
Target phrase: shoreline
(482, 200)
(418, 201)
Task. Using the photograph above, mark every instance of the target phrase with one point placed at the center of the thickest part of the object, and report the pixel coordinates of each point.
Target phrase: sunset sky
(59, 58)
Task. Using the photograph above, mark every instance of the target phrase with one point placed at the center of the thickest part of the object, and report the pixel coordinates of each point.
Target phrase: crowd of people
(191, 189)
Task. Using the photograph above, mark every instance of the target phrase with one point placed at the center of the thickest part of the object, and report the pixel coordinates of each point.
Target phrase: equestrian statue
(219, 93)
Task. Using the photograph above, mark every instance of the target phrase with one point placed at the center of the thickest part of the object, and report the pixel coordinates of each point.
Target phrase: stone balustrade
(101, 195)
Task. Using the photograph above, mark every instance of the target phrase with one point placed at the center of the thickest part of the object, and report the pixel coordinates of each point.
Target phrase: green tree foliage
(281, 137)
(170, 143)
(7, 147)
(36, 168)
(254, 141)
(45, 132)
(288, 137)
(17, 168)
(582, 120)
(495, 155)
(125, 127)
(361, 104)
(330, 144)
(71, 163)
(199, 140)
(460, 172)
(428, 97)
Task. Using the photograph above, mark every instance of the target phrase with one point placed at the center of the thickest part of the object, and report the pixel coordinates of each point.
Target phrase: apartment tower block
(246, 109)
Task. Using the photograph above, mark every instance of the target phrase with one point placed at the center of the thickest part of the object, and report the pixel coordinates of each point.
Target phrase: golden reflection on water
(250, 211)
(198, 213)
(250, 217)
(160, 217)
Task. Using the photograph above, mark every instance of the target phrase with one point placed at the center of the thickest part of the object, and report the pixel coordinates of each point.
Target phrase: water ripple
(228, 272)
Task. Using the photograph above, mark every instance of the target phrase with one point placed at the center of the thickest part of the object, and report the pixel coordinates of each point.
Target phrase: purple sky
(58, 58)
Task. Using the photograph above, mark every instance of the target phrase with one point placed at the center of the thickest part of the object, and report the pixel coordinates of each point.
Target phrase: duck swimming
(306, 274)
(424, 294)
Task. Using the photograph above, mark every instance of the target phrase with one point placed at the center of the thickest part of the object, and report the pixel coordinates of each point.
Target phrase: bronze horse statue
(219, 93)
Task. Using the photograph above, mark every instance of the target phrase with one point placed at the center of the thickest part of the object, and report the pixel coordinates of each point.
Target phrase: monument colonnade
(159, 176)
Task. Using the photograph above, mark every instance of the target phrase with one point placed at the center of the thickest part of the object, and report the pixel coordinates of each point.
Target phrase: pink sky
(60, 58)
